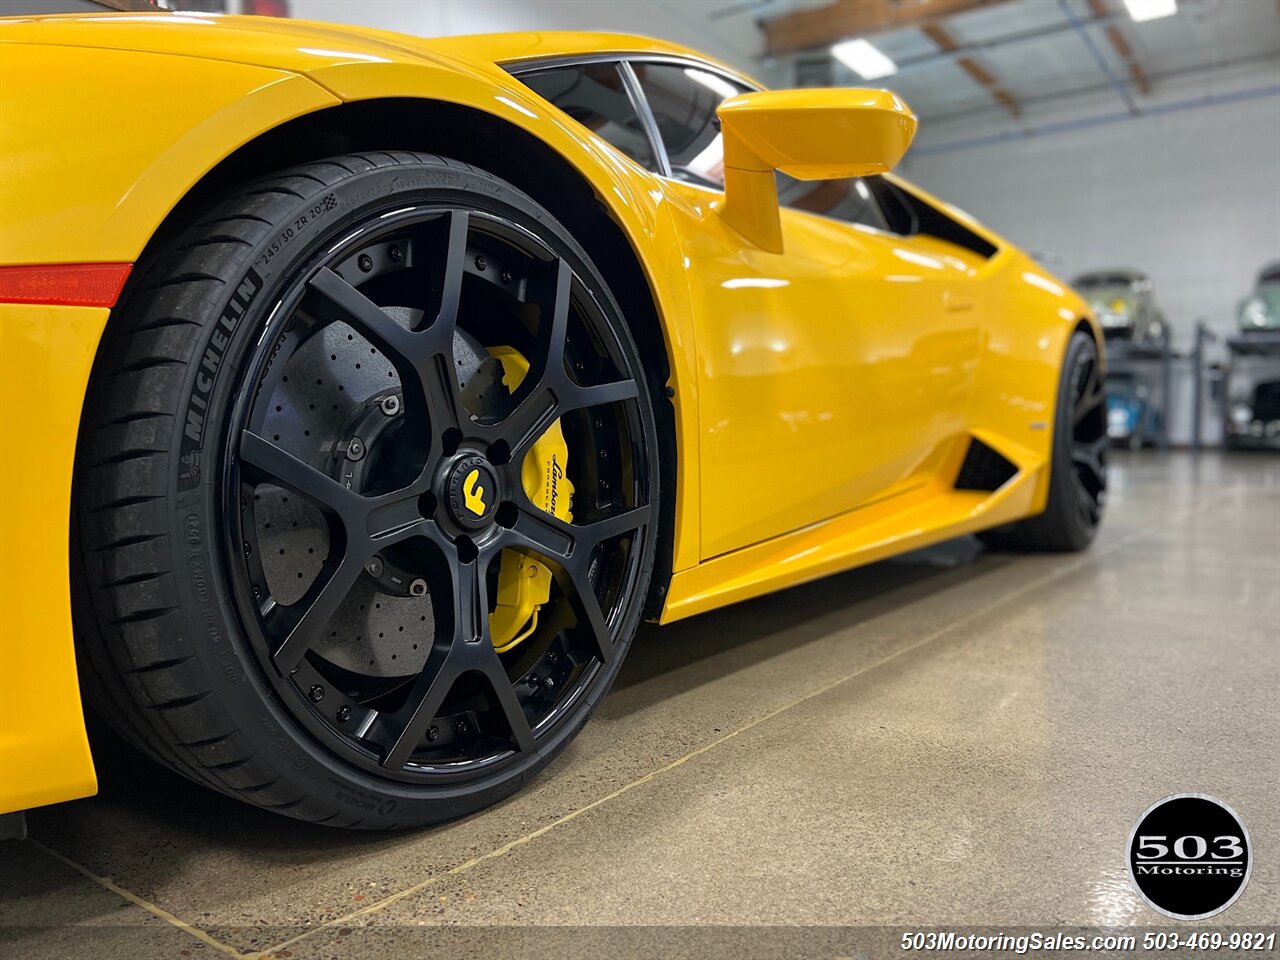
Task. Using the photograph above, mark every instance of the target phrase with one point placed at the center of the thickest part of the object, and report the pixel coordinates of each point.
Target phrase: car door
(831, 375)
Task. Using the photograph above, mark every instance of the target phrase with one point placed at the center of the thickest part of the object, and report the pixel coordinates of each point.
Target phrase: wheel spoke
(512, 710)
(403, 730)
(446, 321)
(586, 607)
(370, 319)
(1090, 456)
(551, 291)
(560, 541)
(568, 547)
(1088, 382)
(576, 397)
(569, 554)
(264, 462)
(1087, 405)
(442, 395)
(1085, 503)
(298, 626)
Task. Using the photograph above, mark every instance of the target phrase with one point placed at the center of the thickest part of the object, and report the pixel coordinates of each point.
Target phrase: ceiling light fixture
(1140, 10)
(864, 59)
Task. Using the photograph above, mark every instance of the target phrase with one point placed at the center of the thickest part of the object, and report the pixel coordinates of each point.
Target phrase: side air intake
(984, 469)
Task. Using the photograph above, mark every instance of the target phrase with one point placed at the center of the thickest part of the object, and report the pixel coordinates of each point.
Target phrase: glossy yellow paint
(45, 357)
(817, 134)
(823, 397)
(810, 135)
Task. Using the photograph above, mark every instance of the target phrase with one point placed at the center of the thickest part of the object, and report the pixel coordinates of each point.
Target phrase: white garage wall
(1192, 198)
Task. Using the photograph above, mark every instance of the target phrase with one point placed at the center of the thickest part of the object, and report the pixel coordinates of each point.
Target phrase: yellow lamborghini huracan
(364, 392)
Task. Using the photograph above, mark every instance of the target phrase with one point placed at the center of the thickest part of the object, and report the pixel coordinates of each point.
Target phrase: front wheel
(367, 495)
(1078, 470)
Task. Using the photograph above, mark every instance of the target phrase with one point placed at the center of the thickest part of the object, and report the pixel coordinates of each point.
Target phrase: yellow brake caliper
(524, 584)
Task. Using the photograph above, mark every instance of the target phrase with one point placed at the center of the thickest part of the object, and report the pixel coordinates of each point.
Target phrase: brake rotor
(338, 406)
(334, 388)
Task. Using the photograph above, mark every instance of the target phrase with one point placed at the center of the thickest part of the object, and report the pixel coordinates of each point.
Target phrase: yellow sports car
(364, 392)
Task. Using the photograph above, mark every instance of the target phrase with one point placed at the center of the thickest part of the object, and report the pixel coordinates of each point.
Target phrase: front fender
(99, 145)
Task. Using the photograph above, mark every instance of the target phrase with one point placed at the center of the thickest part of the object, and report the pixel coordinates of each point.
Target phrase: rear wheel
(1078, 472)
(367, 493)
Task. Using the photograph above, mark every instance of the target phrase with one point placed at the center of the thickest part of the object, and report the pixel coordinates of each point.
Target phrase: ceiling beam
(945, 42)
(843, 19)
(1121, 46)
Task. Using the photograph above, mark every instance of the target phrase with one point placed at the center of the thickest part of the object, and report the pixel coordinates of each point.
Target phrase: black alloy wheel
(1078, 468)
(1089, 439)
(369, 455)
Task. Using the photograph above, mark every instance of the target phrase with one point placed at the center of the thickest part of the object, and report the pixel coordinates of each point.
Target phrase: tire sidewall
(199, 469)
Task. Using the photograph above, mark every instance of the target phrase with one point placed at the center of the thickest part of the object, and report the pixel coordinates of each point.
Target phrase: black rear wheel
(1078, 471)
(398, 533)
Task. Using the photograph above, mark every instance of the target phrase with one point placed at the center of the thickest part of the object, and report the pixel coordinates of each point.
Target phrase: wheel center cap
(472, 492)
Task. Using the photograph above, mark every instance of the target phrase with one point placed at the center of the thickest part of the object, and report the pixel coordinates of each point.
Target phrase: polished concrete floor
(954, 737)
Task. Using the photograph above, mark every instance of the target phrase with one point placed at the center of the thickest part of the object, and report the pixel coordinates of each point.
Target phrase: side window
(850, 199)
(683, 101)
(595, 96)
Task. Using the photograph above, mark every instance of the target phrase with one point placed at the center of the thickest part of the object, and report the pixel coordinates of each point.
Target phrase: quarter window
(595, 95)
(683, 101)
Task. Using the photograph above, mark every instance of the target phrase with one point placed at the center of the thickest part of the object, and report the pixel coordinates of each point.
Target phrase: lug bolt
(481, 263)
(365, 263)
(374, 566)
(355, 449)
(461, 727)
(390, 405)
(395, 254)
(317, 693)
(433, 733)
(344, 714)
(547, 683)
(418, 588)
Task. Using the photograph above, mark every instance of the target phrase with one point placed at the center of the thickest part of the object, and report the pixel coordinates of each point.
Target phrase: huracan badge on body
(388, 383)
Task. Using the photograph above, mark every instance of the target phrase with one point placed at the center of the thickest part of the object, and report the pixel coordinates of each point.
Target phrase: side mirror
(809, 134)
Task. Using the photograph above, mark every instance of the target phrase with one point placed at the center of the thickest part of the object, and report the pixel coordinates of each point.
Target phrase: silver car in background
(1125, 303)
(1261, 310)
